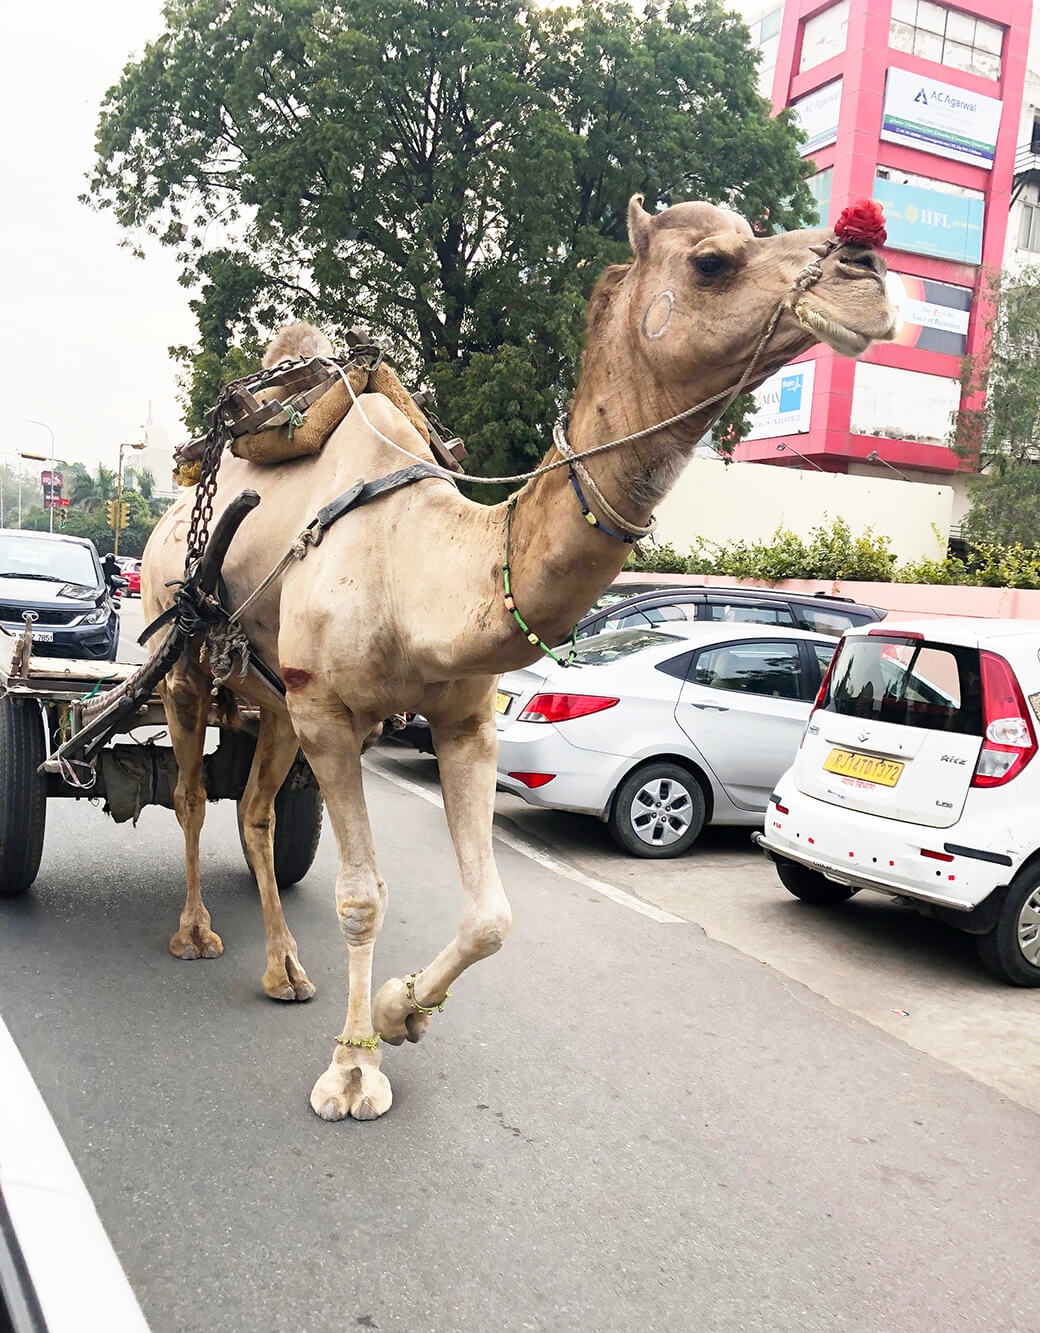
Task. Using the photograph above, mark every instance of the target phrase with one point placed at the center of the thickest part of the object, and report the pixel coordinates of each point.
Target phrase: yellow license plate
(502, 702)
(885, 772)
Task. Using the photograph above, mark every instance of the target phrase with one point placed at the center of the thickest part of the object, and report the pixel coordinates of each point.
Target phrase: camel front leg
(276, 748)
(186, 701)
(332, 739)
(467, 750)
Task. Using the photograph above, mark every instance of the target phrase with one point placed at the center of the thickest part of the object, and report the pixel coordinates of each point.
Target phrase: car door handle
(712, 708)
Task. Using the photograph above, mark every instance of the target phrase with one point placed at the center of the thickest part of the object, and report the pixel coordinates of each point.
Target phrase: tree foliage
(451, 172)
(1001, 435)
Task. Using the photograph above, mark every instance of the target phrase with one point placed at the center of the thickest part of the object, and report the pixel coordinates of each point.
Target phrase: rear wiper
(47, 578)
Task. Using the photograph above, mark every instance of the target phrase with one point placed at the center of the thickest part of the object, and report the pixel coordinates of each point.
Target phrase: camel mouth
(845, 340)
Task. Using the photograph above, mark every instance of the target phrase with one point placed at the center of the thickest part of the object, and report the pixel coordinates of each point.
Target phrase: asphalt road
(616, 1124)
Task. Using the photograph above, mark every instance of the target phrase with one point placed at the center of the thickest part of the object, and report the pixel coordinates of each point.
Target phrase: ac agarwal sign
(939, 118)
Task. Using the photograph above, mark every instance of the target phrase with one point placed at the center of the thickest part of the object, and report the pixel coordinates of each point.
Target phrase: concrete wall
(749, 501)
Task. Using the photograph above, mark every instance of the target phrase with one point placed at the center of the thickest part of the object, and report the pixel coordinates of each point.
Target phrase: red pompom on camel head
(862, 223)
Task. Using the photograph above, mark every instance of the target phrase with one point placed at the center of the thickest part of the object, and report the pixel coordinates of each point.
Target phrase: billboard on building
(817, 115)
(783, 402)
(939, 118)
(931, 316)
(931, 222)
(901, 404)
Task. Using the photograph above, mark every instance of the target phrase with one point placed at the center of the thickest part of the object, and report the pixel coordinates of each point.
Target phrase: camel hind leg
(185, 696)
(276, 748)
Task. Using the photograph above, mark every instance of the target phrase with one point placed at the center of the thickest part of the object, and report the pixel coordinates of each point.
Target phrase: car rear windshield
(62, 561)
(909, 682)
(611, 647)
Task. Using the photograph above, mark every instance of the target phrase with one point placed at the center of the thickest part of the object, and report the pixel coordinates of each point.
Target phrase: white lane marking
(70, 1259)
(543, 859)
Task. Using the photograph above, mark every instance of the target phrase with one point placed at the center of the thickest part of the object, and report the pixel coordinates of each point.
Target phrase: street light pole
(50, 432)
(119, 492)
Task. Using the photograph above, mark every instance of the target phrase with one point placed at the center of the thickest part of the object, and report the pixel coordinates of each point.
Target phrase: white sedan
(660, 732)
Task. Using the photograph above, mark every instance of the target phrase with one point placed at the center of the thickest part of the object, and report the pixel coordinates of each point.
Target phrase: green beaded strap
(409, 985)
(369, 1043)
(510, 605)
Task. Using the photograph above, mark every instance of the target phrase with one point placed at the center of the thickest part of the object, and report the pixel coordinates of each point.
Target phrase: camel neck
(560, 563)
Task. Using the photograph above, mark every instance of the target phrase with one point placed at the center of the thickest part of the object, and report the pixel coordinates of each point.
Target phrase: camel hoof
(393, 1016)
(361, 1092)
(287, 981)
(196, 942)
(278, 985)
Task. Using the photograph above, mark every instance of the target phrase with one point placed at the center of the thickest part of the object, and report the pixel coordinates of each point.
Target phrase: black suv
(650, 603)
(59, 580)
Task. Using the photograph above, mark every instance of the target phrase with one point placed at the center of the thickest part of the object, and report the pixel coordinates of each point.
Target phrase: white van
(916, 777)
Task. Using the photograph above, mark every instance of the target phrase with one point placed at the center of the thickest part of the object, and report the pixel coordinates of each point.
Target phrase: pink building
(919, 105)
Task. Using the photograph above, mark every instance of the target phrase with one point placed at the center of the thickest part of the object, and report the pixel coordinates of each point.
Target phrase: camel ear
(638, 227)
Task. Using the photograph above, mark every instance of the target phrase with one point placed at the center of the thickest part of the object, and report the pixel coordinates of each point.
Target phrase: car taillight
(563, 707)
(821, 694)
(1008, 739)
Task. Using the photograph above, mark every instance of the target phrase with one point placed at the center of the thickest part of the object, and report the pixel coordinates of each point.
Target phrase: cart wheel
(23, 795)
(297, 828)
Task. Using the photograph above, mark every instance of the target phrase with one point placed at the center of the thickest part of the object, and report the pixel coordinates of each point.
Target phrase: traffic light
(110, 511)
(124, 515)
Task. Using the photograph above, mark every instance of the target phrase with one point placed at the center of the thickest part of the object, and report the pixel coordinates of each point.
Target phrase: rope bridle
(810, 274)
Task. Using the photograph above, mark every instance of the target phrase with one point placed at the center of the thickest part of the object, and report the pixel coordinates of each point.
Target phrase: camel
(402, 606)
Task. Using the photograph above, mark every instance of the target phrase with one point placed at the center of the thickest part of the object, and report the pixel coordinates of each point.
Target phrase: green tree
(1001, 435)
(88, 490)
(453, 172)
(144, 483)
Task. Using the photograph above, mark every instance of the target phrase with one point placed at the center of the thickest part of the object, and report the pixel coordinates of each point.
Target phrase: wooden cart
(42, 704)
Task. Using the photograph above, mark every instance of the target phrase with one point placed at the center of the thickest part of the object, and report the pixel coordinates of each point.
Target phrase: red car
(132, 574)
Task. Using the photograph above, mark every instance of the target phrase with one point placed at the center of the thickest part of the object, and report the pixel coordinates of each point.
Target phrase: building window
(824, 35)
(769, 26)
(820, 189)
(1029, 228)
(946, 36)
(765, 39)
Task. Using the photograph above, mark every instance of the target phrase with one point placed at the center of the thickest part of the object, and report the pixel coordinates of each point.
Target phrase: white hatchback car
(659, 731)
(917, 777)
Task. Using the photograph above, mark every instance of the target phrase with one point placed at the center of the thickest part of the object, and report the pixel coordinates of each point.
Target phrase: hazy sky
(84, 326)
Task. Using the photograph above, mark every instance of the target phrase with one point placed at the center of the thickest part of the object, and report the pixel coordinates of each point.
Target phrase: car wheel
(1011, 950)
(23, 795)
(297, 828)
(811, 886)
(657, 811)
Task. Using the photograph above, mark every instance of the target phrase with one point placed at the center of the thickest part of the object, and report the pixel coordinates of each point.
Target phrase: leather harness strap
(211, 611)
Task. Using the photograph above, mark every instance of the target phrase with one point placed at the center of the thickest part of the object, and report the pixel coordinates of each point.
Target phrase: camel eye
(864, 260)
(708, 265)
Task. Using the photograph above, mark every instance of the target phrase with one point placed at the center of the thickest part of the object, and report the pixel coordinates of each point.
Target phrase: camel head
(703, 288)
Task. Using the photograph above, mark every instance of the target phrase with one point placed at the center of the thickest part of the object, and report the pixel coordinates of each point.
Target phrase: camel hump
(296, 340)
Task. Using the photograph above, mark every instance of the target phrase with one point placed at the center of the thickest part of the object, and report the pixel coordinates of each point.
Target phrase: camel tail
(296, 340)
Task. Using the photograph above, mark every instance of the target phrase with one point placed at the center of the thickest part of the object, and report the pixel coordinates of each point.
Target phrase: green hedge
(834, 553)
